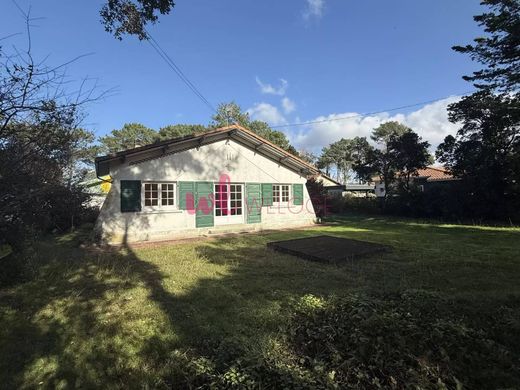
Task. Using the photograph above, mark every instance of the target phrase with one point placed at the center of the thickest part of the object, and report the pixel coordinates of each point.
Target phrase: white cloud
(288, 105)
(269, 89)
(314, 8)
(267, 113)
(430, 122)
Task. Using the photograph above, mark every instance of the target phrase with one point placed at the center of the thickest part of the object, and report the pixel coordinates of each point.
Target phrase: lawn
(205, 312)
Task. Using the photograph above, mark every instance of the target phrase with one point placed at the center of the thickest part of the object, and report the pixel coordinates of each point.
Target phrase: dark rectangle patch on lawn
(327, 249)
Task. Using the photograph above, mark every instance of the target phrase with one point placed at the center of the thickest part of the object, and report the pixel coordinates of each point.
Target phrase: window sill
(280, 206)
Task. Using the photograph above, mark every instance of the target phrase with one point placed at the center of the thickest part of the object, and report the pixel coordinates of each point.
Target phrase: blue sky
(285, 61)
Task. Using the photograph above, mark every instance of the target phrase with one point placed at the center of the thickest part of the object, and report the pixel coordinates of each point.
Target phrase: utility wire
(368, 113)
(169, 61)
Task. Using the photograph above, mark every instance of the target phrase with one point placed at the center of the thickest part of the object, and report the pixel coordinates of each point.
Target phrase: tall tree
(131, 135)
(410, 154)
(385, 131)
(485, 153)
(400, 153)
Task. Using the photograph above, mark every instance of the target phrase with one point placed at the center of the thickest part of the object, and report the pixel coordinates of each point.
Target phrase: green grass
(125, 318)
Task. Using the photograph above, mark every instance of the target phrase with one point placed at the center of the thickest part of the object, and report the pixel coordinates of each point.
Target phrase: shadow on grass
(94, 318)
(114, 318)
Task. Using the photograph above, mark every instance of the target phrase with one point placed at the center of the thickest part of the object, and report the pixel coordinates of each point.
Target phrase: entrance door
(229, 204)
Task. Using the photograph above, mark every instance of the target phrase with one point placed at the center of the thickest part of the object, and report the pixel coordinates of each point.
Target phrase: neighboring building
(425, 179)
(226, 180)
(357, 190)
(331, 186)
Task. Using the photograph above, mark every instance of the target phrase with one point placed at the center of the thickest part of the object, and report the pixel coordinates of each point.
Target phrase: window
(281, 193)
(159, 195)
(167, 196)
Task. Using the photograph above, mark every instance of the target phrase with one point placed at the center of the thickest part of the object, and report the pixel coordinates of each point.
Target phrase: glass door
(229, 204)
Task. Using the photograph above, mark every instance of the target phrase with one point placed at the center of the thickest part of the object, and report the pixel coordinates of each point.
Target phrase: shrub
(412, 340)
(407, 341)
(349, 203)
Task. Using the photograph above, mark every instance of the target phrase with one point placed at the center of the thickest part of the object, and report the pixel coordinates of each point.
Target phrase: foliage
(400, 153)
(498, 51)
(485, 154)
(231, 113)
(318, 196)
(228, 114)
(180, 130)
(386, 131)
(308, 156)
(340, 157)
(355, 204)
(405, 341)
(409, 153)
(122, 17)
(44, 152)
(130, 136)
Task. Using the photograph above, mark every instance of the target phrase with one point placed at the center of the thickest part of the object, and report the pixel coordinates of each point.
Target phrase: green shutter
(254, 202)
(186, 190)
(130, 196)
(297, 194)
(267, 194)
(204, 204)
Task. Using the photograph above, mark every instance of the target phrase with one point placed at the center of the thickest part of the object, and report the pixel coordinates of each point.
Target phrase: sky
(284, 62)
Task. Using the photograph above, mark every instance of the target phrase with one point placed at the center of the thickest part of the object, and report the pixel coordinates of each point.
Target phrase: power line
(368, 113)
(178, 71)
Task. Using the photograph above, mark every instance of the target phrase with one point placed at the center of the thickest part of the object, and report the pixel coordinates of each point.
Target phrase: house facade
(226, 180)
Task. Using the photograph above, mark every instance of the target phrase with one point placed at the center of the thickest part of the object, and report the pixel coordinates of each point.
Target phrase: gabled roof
(236, 132)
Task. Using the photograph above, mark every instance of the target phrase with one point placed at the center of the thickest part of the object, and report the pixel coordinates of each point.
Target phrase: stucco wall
(241, 164)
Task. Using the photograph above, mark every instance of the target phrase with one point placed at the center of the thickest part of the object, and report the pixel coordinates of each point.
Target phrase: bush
(349, 203)
(408, 341)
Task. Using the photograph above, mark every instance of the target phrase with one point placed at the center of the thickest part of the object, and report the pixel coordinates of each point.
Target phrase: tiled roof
(435, 173)
(430, 174)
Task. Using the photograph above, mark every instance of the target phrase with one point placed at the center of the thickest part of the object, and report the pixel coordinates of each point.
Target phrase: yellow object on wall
(106, 185)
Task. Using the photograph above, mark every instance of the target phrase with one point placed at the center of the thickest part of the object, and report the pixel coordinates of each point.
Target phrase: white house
(225, 180)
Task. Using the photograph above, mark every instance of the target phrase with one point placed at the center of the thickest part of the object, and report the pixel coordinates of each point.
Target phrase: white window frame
(280, 194)
(159, 205)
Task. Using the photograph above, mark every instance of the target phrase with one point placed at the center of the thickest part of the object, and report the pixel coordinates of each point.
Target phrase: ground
(138, 316)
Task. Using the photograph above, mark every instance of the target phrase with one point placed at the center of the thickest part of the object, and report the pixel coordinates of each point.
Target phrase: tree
(41, 145)
(485, 153)
(400, 153)
(131, 135)
(122, 17)
(308, 156)
(409, 153)
(325, 161)
(274, 136)
(385, 131)
(180, 130)
(499, 51)
(228, 114)
(231, 113)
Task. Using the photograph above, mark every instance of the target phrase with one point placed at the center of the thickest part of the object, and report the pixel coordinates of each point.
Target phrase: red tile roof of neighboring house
(435, 173)
(430, 174)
